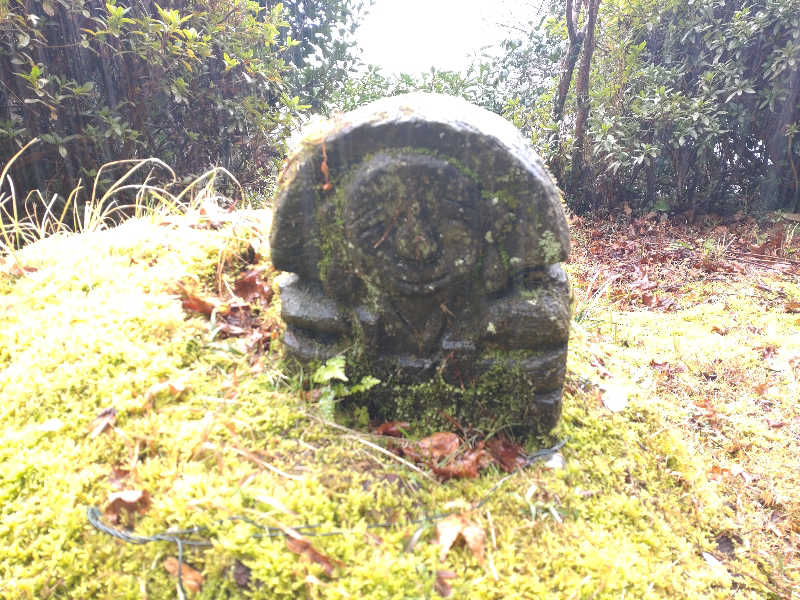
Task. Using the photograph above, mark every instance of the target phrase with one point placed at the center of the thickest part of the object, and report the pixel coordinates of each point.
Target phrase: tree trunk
(567, 69)
(582, 101)
(780, 186)
(570, 60)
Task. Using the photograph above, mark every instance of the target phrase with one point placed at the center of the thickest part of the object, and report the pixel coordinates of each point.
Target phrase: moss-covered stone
(431, 232)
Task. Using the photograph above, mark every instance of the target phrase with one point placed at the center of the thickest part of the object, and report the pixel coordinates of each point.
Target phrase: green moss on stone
(501, 196)
(551, 249)
(532, 295)
(499, 399)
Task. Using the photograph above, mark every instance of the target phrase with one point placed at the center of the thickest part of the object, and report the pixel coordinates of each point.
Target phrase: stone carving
(424, 239)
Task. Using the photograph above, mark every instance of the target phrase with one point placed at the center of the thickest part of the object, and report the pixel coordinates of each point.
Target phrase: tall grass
(36, 217)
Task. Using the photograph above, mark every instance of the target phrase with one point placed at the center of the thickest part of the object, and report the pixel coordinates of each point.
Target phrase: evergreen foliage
(476, 85)
(323, 56)
(694, 106)
(196, 83)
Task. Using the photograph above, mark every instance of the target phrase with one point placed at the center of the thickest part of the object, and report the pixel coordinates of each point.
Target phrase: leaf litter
(738, 282)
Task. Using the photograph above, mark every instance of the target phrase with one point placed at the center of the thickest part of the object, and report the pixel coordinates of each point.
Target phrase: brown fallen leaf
(761, 388)
(191, 579)
(436, 446)
(508, 455)
(448, 530)
(237, 317)
(300, 545)
(653, 301)
(118, 476)
(251, 288)
(196, 304)
(720, 330)
(392, 428)
(440, 585)
(718, 472)
(130, 501)
(464, 467)
(324, 169)
(105, 419)
(241, 574)
(767, 351)
(667, 369)
(174, 388)
(16, 270)
(793, 307)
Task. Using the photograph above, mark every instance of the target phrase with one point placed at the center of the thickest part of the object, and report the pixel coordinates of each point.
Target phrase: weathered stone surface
(426, 239)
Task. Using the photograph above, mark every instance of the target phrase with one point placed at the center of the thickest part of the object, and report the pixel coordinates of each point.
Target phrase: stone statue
(424, 238)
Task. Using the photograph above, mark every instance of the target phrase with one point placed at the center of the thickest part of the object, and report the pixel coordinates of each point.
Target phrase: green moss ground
(693, 460)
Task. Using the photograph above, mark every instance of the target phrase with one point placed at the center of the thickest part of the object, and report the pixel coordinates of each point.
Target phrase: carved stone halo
(412, 243)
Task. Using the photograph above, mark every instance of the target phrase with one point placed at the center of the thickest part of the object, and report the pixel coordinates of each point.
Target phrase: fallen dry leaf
(508, 455)
(130, 501)
(191, 579)
(175, 388)
(196, 304)
(718, 472)
(300, 545)
(372, 539)
(448, 530)
(392, 428)
(720, 330)
(464, 467)
(767, 351)
(440, 585)
(250, 287)
(117, 476)
(241, 574)
(667, 369)
(17, 270)
(324, 170)
(237, 320)
(793, 307)
(438, 445)
(105, 419)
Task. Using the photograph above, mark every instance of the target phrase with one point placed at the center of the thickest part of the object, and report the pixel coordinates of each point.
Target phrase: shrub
(195, 83)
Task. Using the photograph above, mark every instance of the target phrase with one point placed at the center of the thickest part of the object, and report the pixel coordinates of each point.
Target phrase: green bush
(475, 84)
(694, 105)
(195, 83)
(711, 110)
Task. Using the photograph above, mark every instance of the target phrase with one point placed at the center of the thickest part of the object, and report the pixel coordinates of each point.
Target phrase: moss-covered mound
(207, 432)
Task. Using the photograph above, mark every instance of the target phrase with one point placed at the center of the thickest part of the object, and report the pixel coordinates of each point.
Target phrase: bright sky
(413, 35)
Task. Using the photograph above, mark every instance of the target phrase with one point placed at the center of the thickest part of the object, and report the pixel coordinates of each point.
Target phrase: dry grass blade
(256, 460)
(14, 216)
(393, 456)
(207, 189)
(96, 212)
